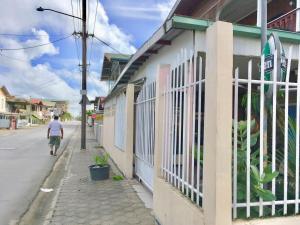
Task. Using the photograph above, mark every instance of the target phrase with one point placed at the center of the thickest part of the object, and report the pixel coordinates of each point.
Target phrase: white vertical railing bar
(199, 129)
(168, 128)
(153, 121)
(144, 131)
(188, 124)
(175, 125)
(235, 144)
(249, 134)
(149, 123)
(193, 62)
(163, 155)
(146, 121)
(286, 109)
(297, 137)
(274, 112)
(172, 125)
(180, 125)
(261, 127)
(184, 119)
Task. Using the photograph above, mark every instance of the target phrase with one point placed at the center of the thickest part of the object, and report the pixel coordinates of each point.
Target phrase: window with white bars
(182, 154)
(120, 121)
(266, 141)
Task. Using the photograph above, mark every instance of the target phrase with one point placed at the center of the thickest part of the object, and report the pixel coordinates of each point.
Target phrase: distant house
(3, 96)
(98, 103)
(113, 64)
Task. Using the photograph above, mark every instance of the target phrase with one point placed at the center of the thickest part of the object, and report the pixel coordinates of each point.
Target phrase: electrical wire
(28, 35)
(105, 43)
(79, 13)
(35, 46)
(92, 41)
(77, 50)
(12, 58)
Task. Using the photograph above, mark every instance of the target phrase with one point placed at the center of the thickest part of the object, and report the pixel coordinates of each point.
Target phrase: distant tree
(66, 116)
(89, 112)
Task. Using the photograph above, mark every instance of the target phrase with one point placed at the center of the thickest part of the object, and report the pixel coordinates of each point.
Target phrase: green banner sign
(269, 50)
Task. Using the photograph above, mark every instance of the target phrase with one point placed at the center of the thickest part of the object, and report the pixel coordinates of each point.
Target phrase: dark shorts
(55, 140)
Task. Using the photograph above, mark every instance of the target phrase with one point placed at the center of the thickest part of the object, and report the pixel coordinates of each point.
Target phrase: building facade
(200, 120)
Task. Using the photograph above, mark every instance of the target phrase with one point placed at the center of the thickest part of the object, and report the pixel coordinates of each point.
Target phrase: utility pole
(83, 90)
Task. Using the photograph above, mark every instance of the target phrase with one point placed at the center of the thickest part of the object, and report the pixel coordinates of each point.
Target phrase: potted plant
(100, 170)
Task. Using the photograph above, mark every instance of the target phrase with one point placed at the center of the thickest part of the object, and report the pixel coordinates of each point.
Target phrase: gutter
(188, 23)
(153, 40)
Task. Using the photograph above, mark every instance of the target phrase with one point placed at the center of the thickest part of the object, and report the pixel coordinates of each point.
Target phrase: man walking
(55, 133)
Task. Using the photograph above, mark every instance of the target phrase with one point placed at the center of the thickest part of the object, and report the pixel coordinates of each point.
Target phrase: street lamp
(84, 50)
(41, 9)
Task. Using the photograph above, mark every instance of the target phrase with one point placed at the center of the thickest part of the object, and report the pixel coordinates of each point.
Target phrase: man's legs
(55, 149)
(51, 149)
(57, 144)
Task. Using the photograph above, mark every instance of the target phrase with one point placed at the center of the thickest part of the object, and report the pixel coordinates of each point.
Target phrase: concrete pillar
(129, 128)
(161, 80)
(217, 187)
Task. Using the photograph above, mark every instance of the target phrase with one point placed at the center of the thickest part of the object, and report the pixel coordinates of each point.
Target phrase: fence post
(163, 72)
(217, 187)
(129, 126)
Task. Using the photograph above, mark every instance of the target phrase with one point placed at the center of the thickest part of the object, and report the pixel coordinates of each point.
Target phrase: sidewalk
(82, 201)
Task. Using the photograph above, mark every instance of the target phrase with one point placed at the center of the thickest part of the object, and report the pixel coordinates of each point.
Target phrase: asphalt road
(24, 163)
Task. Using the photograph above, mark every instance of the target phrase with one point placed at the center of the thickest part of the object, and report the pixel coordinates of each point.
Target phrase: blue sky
(52, 71)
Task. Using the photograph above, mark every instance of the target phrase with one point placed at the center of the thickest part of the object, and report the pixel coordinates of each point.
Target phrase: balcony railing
(285, 22)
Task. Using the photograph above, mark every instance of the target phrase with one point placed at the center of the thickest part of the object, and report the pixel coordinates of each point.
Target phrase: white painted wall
(166, 55)
(2, 103)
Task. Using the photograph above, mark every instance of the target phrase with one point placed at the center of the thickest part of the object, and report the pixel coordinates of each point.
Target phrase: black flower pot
(99, 173)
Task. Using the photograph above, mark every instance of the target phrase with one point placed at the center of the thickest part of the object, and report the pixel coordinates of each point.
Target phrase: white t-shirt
(55, 127)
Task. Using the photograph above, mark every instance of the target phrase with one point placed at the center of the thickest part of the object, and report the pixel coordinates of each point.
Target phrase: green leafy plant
(258, 181)
(196, 154)
(101, 160)
(118, 177)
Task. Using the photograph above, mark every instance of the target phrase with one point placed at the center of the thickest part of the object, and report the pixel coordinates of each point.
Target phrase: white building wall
(2, 103)
(166, 55)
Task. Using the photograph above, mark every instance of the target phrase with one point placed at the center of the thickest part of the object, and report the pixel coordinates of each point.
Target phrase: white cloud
(158, 12)
(165, 8)
(42, 80)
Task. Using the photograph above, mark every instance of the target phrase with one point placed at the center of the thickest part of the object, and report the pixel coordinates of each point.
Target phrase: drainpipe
(264, 21)
(298, 16)
(258, 14)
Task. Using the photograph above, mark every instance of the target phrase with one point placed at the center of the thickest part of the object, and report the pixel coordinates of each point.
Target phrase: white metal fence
(266, 142)
(4, 121)
(120, 121)
(144, 133)
(183, 126)
(98, 131)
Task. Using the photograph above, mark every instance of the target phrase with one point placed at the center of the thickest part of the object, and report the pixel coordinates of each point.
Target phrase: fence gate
(144, 134)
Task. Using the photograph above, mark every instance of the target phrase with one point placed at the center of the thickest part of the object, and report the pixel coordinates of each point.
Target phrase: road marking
(8, 148)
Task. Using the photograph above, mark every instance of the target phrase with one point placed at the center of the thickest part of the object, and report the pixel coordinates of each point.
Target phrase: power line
(77, 50)
(35, 46)
(28, 35)
(92, 42)
(105, 43)
(9, 57)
